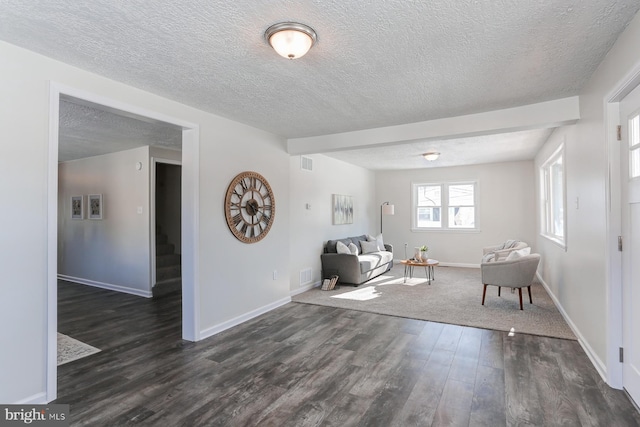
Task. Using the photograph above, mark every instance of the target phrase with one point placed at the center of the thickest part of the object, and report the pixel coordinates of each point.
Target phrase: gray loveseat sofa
(355, 269)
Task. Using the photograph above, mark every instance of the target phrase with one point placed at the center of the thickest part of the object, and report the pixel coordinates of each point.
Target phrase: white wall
(578, 277)
(113, 252)
(310, 228)
(227, 288)
(505, 210)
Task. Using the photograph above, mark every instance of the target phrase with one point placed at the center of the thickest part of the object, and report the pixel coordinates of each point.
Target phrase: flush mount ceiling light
(290, 39)
(431, 155)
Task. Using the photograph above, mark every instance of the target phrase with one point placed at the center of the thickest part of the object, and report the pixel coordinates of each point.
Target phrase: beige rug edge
(70, 349)
(542, 318)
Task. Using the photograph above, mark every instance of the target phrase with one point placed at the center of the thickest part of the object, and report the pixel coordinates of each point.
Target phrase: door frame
(614, 224)
(152, 210)
(190, 215)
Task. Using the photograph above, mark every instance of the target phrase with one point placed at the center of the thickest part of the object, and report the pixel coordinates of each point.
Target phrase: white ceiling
(377, 63)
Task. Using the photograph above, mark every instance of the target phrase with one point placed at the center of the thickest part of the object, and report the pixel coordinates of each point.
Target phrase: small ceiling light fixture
(290, 39)
(431, 155)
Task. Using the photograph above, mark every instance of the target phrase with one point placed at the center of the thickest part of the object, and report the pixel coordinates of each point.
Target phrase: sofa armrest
(346, 266)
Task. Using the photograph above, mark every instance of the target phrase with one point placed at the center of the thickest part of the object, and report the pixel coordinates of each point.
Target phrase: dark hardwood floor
(305, 365)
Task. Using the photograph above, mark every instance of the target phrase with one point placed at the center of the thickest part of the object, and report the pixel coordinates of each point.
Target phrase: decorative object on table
(249, 207)
(342, 209)
(420, 253)
(330, 283)
(386, 209)
(405, 250)
(77, 207)
(96, 206)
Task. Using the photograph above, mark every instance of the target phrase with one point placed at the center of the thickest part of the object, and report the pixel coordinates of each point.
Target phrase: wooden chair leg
(499, 287)
(484, 292)
(529, 289)
(520, 293)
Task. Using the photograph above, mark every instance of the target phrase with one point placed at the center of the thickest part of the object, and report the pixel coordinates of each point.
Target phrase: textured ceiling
(87, 131)
(376, 63)
(502, 147)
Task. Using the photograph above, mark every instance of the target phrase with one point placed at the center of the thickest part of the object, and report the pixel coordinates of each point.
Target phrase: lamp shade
(290, 40)
(388, 209)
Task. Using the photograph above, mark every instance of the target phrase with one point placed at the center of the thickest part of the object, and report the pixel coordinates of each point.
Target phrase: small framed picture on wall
(95, 206)
(77, 207)
(342, 209)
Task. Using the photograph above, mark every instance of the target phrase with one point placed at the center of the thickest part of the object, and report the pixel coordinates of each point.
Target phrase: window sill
(446, 230)
(560, 243)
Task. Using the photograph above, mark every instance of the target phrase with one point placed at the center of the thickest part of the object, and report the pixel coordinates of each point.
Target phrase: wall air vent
(306, 276)
(306, 163)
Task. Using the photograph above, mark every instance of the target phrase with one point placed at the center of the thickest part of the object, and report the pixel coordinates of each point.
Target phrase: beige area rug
(70, 349)
(454, 297)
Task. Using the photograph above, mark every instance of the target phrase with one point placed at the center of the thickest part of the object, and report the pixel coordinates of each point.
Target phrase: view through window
(444, 206)
(553, 198)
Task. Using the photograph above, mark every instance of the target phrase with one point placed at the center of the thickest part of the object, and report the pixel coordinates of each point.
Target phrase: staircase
(168, 266)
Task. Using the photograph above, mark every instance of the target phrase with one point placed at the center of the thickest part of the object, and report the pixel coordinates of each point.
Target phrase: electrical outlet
(275, 274)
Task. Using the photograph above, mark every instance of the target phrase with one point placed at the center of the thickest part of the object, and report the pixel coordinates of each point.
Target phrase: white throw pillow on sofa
(341, 248)
(353, 248)
(369, 247)
(518, 254)
(378, 240)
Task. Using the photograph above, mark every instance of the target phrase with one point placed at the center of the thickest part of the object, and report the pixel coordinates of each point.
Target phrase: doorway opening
(165, 225)
(189, 212)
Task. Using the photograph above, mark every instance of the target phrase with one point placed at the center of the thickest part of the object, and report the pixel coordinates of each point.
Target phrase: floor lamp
(385, 209)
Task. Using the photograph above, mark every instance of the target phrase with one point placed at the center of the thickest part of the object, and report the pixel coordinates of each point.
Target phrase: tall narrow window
(444, 206)
(553, 197)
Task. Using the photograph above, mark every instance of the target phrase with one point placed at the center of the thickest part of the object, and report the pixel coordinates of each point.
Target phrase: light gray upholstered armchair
(501, 252)
(516, 273)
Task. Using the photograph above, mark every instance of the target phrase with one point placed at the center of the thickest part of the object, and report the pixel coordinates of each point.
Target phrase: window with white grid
(444, 206)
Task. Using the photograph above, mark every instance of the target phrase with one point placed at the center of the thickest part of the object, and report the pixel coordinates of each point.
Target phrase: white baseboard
(593, 357)
(36, 399)
(458, 264)
(109, 286)
(216, 329)
(305, 288)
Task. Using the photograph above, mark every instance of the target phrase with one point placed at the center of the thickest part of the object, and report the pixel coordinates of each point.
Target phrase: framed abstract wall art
(342, 209)
(77, 207)
(95, 206)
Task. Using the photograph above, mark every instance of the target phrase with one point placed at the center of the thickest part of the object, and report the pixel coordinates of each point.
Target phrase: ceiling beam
(559, 112)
